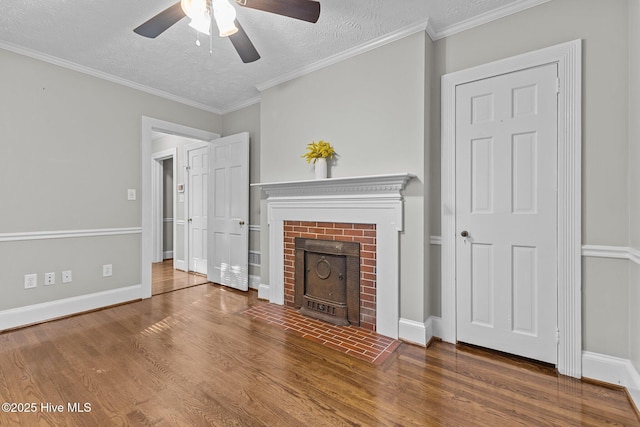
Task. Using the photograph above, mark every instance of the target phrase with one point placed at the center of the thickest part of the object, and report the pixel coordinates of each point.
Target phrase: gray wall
(69, 150)
(372, 109)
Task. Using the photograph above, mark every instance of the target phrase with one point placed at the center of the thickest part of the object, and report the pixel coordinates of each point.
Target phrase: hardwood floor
(165, 278)
(189, 358)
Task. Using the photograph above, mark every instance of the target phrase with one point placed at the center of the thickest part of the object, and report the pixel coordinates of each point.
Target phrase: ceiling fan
(224, 14)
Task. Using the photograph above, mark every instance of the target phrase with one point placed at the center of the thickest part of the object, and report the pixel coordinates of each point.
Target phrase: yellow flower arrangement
(320, 149)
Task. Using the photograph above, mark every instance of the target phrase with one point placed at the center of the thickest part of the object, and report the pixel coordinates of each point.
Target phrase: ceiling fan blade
(161, 22)
(305, 10)
(243, 45)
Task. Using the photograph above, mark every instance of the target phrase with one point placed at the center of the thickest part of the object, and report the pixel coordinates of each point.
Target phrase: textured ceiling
(98, 35)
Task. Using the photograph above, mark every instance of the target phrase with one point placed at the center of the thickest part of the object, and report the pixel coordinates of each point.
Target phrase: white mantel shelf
(374, 199)
(389, 185)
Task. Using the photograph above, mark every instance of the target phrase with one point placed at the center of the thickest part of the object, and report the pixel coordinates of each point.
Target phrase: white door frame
(157, 200)
(187, 197)
(149, 125)
(568, 57)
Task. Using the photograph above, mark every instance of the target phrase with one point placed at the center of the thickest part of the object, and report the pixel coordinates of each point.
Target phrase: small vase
(320, 168)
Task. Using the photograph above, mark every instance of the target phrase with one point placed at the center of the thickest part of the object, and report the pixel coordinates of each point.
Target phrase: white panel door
(198, 173)
(506, 199)
(229, 212)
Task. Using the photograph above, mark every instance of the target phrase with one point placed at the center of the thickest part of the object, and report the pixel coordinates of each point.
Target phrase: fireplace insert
(327, 280)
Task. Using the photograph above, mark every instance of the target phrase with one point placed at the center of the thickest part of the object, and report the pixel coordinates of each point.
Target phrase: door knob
(190, 219)
(241, 222)
(465, 233)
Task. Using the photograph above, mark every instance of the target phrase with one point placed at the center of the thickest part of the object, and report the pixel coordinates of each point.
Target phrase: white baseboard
(612, 370)
(36, 313)
(254, 281)
(264, 291)
(179, 264)
(413, 332)
(167, 254)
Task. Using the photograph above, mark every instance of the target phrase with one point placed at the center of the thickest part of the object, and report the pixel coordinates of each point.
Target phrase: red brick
(333, 231)
(326, 224)
(344, 225)
(355, 233)
(365, 226)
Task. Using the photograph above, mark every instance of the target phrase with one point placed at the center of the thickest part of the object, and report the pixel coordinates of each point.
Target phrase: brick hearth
(365, 234)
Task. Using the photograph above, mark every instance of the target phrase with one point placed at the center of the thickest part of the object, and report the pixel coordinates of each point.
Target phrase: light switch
(131, 194)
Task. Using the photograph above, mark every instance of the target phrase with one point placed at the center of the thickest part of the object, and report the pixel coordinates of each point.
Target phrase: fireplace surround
(375, 199)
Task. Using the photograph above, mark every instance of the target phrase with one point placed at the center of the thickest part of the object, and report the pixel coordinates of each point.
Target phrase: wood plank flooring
(189, 358)
(165, 278)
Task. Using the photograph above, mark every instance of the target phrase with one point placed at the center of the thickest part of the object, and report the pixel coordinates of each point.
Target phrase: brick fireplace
(368, 207)
(365, 234)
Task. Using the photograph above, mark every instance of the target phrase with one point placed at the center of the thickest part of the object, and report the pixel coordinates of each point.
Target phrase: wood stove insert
(327, 280)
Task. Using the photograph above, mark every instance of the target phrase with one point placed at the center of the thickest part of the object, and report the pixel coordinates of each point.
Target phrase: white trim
(568, 57)
(264, 292)
(615, 252)
(258, 255)
(37, 313)
(150, 125)
(369, 200)
(67, 234)
(349, 53)
(435, 323)
(255, 228)
(435, 240)
(254, 281)
(413, 332)
(167, 255)
(240, 105)
(492, 15)
(612, 370)
(167, 219)
(104, 76)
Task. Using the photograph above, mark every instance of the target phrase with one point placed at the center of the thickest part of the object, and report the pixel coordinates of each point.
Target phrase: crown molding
(347, 54)
(240, 105)
(104, 76)
(492, 15)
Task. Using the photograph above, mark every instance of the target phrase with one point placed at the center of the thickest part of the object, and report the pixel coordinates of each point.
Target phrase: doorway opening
(153, 156)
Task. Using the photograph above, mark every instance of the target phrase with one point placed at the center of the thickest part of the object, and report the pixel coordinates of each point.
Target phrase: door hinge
(557, 336)
(557, 85)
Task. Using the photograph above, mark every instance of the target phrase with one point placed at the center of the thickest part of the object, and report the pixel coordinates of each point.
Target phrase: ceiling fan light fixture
(201, 25)
(200, 14)
(225, 16)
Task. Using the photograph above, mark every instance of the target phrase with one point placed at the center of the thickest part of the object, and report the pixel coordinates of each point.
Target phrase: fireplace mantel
(372, 186)
(375, 199)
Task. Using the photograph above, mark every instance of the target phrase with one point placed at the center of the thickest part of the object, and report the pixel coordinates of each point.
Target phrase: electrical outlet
(49, 279)
(66, 276)
(30, 281)
(131, 194)
(107, 270)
